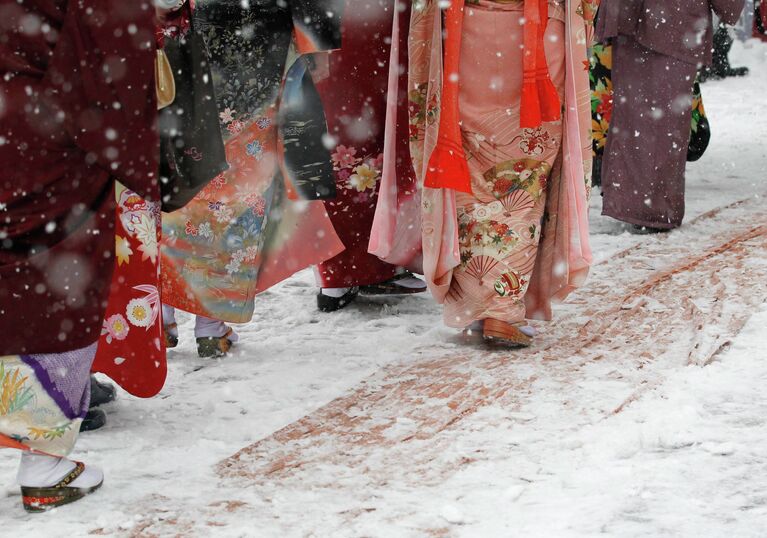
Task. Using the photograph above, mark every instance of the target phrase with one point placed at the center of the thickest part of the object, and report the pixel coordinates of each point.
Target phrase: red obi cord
(540, 102)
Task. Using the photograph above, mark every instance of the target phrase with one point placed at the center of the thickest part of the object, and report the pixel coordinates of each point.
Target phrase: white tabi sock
(41, 471)
(335, 292)
(411, 282)
(212, 328)
(168, 318)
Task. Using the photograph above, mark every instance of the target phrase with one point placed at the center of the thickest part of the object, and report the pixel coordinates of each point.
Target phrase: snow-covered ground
(684, 458)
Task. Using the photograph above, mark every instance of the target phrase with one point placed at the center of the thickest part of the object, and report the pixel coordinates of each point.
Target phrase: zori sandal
(215, 347)
(43, 499)
(331, 303)
(401, 284)
(171, 335)
(505, 333)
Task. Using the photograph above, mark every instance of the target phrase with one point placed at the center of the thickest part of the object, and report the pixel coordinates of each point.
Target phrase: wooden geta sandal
(505, 333)
(38, 500)
(214, 347)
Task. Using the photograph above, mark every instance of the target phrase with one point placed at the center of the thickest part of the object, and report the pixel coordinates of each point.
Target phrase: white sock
(528, 330)
(476, 325)
(168, 318)
(212, 328)
(41, 471)
(411, 282)
(336, 293)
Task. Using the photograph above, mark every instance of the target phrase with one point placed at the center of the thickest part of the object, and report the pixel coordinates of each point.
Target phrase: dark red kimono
(760, 20)
(77, 111)
(354, 97)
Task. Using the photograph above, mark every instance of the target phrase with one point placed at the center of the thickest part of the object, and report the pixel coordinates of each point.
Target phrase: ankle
(335, 292)
(213, 328)
(39, 470)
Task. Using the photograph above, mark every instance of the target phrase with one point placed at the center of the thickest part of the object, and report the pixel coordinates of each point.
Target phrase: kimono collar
(447, 165)
(177, 24)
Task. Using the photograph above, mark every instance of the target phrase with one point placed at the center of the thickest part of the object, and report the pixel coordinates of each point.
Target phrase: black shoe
(101, 393)
(332, 304)
(94, 420)
(647, 230)
(737, 72)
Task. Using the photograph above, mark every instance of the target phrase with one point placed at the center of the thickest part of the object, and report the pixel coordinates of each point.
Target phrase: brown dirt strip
(671, 301)
(437, 393)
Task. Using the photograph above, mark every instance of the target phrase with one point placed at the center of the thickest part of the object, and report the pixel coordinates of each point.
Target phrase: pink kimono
(519, 239)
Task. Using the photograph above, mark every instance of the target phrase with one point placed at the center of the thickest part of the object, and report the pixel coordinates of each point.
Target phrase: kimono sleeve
(588, 10)
(728, 10)
(317, 24)
(101, 77)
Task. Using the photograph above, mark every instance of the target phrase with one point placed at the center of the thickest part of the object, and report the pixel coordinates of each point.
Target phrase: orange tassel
(448, 168)
(540, 101)
(530, 109)
(447, 165)
(551, 107)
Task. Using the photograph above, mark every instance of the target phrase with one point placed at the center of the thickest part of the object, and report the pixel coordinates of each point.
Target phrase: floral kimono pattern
(601, 95)
(243, 233)
(43, 399)
(358, 99)
(131, 347)
(520, 239)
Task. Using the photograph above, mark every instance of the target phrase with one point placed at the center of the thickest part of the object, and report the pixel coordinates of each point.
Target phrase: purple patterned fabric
(66, 378)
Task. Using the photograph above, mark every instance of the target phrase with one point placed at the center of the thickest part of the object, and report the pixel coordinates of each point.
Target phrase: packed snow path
(639, 412)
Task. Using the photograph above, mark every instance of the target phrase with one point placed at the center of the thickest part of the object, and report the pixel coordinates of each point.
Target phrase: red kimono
(131, 349)
(77, 111)
(354, 96)
(760, 20)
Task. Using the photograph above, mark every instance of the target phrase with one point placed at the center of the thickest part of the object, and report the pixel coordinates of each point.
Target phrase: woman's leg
(499, 222)
(45, 398)
(214, 338)
(169, 325)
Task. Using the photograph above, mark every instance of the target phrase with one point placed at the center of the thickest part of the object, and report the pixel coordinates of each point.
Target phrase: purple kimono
(658, 47)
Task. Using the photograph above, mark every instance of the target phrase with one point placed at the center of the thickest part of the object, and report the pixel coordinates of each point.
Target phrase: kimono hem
(243, 233)
(520, 240)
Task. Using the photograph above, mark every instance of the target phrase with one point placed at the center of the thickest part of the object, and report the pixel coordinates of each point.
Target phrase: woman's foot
(170, 332)
(214, 338)
(333, 299)
(169, 326)
(94, 419)
(48, 482)
(101, 393)
(516, 335)
(215, 347)
(402, 284)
